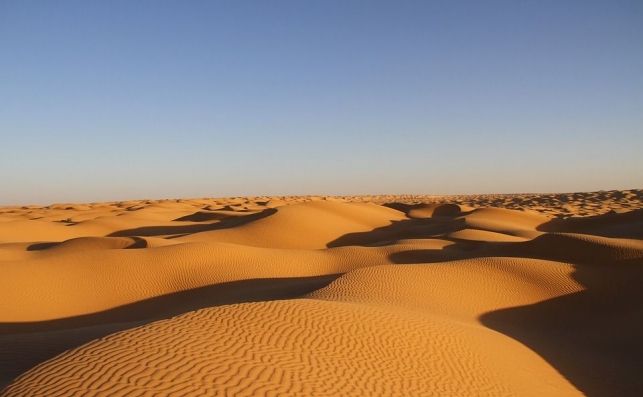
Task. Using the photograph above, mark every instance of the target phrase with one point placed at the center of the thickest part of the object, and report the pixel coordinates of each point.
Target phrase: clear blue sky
(151, 99)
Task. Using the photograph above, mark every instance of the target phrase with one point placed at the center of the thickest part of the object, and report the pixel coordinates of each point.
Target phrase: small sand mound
(491, 283)
(419, 211)
(483, 235)
(504, 220)
(433, 210)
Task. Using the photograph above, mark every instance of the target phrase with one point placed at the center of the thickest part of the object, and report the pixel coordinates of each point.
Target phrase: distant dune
(485, 295)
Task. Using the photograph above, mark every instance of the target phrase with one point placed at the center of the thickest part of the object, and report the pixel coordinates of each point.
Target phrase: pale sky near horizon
(121, 100)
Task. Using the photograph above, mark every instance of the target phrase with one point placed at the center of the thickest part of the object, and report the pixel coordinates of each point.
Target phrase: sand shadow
(182, 230)
(456, 251)
(24, 345)
(43, 246)
(202, 216)
(554, 247)
(620, 225)
(399, 230)
(592, 337)
(437, 209)
(137, 242)
(445, 219)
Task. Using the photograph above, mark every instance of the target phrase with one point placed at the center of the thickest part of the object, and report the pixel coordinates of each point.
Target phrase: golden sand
(488, 295)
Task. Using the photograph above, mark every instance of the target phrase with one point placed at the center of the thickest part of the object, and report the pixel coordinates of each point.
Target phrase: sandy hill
(382, 295)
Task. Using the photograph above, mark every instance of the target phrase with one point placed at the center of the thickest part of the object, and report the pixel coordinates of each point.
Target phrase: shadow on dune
(592, 337)
(137, 242)
(438, 210)
(459, 250)
(442, 220)
(202, 216)
(622, 225)
(182, 230)
(555, 247)
(23, 345)
(42, 246)
(399, 230)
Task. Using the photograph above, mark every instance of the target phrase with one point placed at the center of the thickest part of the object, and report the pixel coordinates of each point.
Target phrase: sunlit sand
(525, 295)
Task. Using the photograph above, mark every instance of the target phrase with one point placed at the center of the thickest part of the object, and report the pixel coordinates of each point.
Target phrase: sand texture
(486, 295)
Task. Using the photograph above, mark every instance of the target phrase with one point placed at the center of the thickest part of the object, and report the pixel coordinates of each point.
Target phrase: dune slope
(383, 295)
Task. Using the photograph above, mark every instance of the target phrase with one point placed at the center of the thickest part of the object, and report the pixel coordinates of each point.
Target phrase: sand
(484, 295)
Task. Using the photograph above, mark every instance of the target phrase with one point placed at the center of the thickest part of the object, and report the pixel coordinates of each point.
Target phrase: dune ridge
(371, 295)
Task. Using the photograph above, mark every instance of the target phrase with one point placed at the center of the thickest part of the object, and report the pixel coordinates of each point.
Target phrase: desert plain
(478, 295)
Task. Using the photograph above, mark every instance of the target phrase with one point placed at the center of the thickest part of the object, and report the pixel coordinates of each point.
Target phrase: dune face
(489, 295)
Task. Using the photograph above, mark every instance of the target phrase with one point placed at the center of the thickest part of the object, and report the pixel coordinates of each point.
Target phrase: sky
(118, 100)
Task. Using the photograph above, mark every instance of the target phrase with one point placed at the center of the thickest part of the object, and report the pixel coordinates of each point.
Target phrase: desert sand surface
(483, 295)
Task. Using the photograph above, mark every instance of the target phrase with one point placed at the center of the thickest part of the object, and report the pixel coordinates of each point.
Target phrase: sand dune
(309, 225)
(380, 295)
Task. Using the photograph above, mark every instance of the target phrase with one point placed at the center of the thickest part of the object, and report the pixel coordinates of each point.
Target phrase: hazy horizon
(338, 195)
(148, 100)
